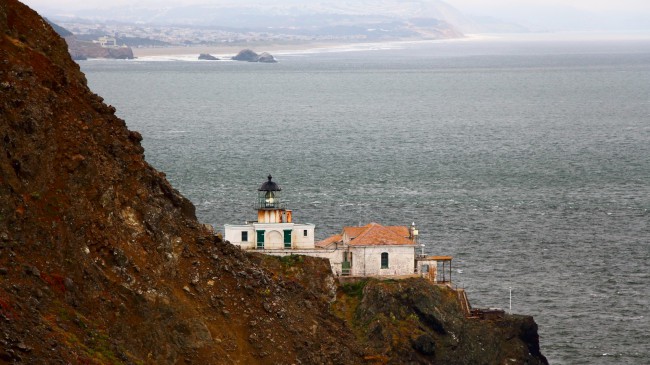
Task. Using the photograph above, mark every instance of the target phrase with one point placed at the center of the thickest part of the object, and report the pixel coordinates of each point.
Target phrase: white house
(274, 228)
(372, 250)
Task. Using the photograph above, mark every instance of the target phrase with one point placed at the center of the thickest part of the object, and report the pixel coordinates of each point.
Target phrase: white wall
(301, 241)
(273, 235)
(366, 260)
(233, 232)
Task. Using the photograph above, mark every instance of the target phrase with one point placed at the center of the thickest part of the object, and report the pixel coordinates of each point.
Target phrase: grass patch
(291, 260)
(355, 289)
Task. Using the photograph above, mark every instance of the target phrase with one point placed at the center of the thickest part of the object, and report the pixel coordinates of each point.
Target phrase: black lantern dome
(268, 195)
(269, 185)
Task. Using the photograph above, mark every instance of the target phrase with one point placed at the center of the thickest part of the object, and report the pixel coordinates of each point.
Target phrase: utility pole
(510, 310)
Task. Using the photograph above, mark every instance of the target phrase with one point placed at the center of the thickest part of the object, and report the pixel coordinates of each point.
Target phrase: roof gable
(375, 234)
(329, 240)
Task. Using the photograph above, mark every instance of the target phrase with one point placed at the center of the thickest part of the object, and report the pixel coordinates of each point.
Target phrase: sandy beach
(229, 50)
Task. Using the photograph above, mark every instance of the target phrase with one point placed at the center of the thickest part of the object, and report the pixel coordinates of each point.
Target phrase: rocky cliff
(83, 50)
(416, 322)
(103, 262)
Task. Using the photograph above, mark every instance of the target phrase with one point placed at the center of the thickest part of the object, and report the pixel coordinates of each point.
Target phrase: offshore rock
(266, 58)
(246, 55)
(208, 57)
(250, 56)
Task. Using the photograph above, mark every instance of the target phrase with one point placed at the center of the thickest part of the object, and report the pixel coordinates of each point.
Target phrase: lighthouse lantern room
(269, 207)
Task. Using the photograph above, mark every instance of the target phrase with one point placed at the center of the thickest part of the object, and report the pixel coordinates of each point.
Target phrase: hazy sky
(591, 5)
(534, 15)
(466, 5)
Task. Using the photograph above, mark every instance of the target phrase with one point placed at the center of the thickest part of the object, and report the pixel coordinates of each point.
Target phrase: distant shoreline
(286, 48)
(228, 50)
(224, 50)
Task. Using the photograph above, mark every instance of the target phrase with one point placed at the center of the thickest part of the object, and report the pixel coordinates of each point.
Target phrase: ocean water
(526, 160)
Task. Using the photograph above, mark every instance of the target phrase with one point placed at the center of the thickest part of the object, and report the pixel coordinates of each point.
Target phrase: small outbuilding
(372, 250)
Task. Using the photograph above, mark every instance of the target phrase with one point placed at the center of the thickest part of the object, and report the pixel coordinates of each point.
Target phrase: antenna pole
(510, 300)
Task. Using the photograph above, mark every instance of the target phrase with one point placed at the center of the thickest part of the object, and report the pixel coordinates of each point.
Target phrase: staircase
(464, 302)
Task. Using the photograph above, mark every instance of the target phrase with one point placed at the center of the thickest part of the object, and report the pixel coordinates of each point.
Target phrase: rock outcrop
(413, 321)
(250, 56)
(207, 57)
(84, 50)
(266, 58)
(102, 261)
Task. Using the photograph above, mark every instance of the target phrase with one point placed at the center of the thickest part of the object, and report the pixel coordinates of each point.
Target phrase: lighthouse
(274, 229)
(270, 208)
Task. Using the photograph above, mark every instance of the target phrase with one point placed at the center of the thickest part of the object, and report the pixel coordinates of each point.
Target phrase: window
(244, 236)
(304, 233)
(384, 260)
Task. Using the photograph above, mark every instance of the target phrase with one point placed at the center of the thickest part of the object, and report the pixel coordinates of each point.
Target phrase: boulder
(246, 55)
(266, 58)
(207, 57)
(250, 56)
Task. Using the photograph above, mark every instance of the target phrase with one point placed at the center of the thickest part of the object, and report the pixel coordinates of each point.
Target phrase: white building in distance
(274, 228)
(370, 250)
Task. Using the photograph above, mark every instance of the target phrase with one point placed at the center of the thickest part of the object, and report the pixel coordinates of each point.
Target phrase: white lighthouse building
(274, 228)
(361, 251)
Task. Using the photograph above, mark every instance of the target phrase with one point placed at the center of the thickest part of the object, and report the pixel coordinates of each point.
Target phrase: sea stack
(249, 55)
(207, 57)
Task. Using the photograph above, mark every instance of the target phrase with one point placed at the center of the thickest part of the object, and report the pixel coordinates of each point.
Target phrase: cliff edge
(102, 261)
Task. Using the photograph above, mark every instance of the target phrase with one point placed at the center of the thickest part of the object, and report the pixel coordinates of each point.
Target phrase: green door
(260, 239)
(287, 238)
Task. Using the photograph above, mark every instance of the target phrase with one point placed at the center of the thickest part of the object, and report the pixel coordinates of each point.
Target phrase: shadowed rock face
(266, 58)
(417, 322)
(102, 261)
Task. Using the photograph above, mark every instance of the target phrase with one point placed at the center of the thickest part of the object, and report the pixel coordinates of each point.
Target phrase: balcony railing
(264, 204)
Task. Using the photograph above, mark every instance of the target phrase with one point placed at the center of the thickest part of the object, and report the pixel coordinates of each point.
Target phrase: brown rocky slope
(103, 262)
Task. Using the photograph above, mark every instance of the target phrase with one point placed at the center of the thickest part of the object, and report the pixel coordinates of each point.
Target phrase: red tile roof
(370, 235)
(329, 240)
(376, 234)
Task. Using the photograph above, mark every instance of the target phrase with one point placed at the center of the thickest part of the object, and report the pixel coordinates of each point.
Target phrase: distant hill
(81, 49)
(305, 18)
(59, 29)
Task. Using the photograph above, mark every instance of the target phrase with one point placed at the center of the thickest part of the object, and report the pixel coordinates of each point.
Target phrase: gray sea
(526, 159)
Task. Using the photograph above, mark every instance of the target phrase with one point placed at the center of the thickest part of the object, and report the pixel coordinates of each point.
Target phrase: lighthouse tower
(270, 208)
(274, 230)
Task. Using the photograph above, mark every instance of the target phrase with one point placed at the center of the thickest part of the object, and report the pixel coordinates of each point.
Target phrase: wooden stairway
(464, 302)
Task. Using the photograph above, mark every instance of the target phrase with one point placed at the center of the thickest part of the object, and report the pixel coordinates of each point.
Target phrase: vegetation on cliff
(414, 321)
(102, 261)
